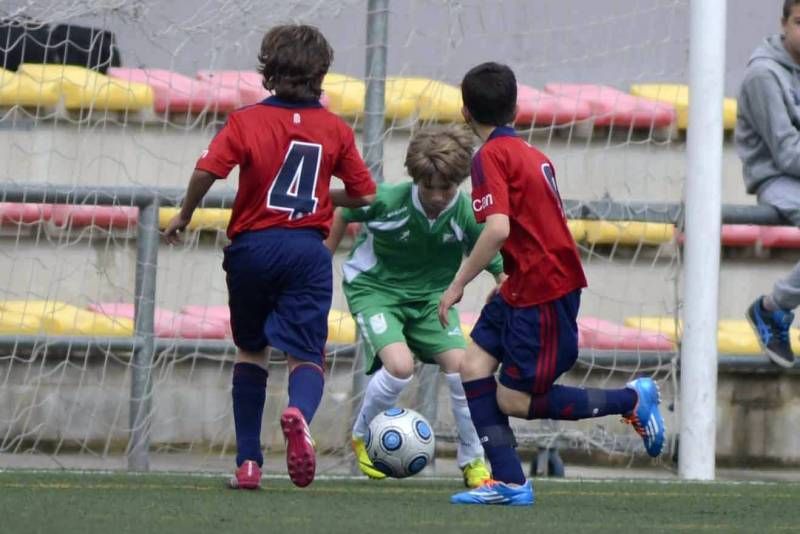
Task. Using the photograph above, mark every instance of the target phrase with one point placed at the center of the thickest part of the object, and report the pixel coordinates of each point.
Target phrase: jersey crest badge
(378, 323)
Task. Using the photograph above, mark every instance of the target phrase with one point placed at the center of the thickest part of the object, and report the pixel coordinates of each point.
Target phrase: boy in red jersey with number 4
(529, 328)
(278, 271)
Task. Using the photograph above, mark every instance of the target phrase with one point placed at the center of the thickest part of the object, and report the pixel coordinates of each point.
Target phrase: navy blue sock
(249, 393)
(567, 403)
(306, 383)
(493, 430)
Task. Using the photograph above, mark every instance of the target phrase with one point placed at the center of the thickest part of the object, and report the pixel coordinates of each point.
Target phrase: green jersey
(401, 255)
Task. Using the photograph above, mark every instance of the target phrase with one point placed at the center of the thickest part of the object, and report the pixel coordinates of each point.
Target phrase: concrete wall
(82, 404)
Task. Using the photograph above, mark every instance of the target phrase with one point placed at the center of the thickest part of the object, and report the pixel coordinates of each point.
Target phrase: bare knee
(512, 402)
(398, 360)
(477, 363)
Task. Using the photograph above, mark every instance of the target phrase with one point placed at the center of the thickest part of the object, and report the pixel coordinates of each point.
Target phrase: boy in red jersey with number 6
(529, 328)
(278, 271)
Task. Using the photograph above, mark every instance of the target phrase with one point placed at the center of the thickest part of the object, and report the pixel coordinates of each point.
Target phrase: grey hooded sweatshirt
(768, 119)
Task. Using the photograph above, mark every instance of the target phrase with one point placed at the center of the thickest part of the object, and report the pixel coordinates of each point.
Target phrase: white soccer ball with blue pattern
(400, 442)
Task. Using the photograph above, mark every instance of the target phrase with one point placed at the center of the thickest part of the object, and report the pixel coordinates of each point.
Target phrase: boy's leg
(491, 424)
(384, 349)
(470, 452)
(249, 394)
(527, 389)
(249, 307)
(426, 337)
(386, 385)
(298, 325)
(771, 315)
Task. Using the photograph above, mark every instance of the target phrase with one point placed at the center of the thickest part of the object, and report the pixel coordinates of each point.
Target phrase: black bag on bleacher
(92, 48)
(23, 40)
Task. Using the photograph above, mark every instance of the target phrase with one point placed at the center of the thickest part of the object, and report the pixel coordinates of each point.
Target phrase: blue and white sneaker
(772, 331)
(646, 417)
(494, 492)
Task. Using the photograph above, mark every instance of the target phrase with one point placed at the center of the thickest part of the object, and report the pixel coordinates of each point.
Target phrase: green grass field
(116, 503)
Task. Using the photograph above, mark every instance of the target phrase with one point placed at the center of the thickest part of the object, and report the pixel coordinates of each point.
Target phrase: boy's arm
(495, 232)
(338, 229)
(340, 198)
(359, 188)
(199, 185)
(771, 120)
(473, 230)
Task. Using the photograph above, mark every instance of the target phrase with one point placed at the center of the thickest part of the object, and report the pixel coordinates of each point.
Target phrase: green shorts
(416, 324)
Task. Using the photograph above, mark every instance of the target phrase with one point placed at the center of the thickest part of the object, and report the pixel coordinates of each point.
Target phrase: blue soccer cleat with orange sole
(497, 493)
(646, 417)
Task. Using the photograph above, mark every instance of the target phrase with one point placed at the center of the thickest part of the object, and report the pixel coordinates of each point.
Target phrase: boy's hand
(175, 227)
(452, 295)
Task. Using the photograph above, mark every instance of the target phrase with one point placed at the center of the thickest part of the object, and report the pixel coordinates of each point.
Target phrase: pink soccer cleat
(300, 456)
(247, 476)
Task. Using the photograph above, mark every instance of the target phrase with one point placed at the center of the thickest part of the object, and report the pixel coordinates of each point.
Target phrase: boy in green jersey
(414, 237)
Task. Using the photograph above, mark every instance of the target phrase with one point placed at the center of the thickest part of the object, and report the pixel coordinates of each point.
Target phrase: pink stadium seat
(169, 324)
(102, 216)
(218, 313)
(177, 93)
(597, 333)
(246, 83)
(780, 237)
(740, 235)
(542, 109)
(611, 107)
(24, 213)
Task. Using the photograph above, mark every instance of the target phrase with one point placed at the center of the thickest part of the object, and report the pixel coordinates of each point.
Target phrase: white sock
(469, 445)
(382, 392)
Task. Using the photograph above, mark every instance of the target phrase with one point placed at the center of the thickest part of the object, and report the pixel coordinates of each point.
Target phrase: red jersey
(286, 153)
(511, 177)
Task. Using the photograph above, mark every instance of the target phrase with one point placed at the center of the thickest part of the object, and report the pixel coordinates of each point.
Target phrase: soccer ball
(400, 442)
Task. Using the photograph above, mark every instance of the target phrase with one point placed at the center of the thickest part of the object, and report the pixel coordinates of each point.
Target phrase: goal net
(133, 90)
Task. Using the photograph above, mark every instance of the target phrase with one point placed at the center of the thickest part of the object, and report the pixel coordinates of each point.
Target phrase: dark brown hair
(444, 151)
(787, 7)
(489, 91)
(293, 60)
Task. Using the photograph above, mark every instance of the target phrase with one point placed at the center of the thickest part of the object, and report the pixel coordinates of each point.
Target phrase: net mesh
(68, 271)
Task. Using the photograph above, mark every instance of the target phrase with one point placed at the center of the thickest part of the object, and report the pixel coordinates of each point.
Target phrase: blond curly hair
(443, 151)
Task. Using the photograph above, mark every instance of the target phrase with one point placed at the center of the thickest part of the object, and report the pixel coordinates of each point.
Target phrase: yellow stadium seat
(429, 100)
(578, 229)
(737, 342)
(663, 325)
(18, 89)
(345, 94)
(64, 319)
(15, 323)
(628, 233)
(87, 89)
(202, 219)
(678, 96)
(341, 327)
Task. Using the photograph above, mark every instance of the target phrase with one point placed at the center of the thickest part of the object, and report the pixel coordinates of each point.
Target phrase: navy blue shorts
(280, 283)
(535, 345)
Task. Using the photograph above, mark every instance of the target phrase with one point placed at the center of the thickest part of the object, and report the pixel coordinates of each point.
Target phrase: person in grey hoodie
(768, 142)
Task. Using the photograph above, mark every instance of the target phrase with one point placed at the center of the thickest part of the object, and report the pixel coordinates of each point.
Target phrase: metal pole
(703, 214)
(374, 101)
(145, 305)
